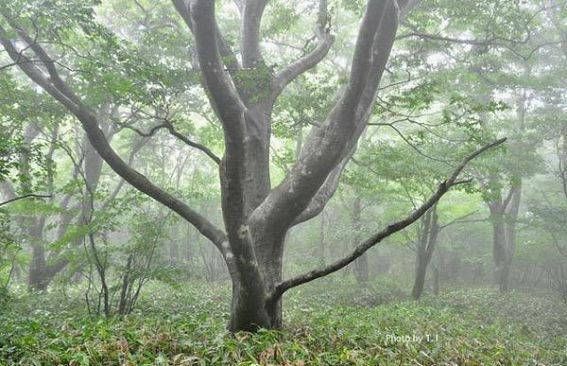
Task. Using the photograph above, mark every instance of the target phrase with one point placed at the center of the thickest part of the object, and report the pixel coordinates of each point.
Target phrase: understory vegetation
(371, 326)
(283, 182)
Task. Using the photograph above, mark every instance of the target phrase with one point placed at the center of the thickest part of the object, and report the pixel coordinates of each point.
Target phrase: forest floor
(347, 326)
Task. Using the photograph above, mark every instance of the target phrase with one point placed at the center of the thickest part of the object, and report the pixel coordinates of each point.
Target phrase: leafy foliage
(465, 327)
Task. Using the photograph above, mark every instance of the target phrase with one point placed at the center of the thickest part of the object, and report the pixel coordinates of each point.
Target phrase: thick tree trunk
(248, 311)
(272, 276)
(257, 216)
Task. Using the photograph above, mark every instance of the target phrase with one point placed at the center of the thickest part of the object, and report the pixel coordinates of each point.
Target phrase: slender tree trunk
(322, 241)
(510, 230)
(425, 248)
(504, 215)
(361, 263)
(32, 226)
(436, 284)
(37, 280)
(499, 250)
(419, 282)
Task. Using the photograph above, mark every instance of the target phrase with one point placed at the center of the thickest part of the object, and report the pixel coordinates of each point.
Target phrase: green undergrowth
(186, 326)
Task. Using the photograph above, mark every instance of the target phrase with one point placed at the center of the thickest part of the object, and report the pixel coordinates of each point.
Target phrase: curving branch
(328, 144)
(229, 58)
(24, 197)
(389, 230)
(44, 58)
(99, 141)
(172, 131)
(222, 93)
(324, 194)
(300, 66)
(193, 144)
(310, 60)
(407, 141)
(232, 113)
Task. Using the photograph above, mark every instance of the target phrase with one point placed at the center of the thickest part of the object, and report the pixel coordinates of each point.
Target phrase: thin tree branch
(378, 237)
(391, 125)
(99, 141)
(169, 127)
(458, 220)
(196, 145)
(31, 195)
(300, 66)
(312, 59)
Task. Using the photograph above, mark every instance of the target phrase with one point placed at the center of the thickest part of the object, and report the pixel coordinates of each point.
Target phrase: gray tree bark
(256, 215)
(503, 217)
(361, 263)
(425, 247)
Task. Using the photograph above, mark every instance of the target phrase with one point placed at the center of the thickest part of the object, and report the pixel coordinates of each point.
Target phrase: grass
(187, 327)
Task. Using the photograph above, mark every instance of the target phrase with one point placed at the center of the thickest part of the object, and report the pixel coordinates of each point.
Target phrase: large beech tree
(242, 90)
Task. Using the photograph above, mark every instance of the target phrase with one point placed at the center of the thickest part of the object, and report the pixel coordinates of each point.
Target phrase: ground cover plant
(283, 182)
(462, 327)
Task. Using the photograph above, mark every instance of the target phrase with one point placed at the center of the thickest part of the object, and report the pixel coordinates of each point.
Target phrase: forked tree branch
(232, 113)
(328, 144)
(97, 138)
(378, 237)
(222, 93)
(310, 60)
(382, 42)
(323, 196)
(228, 56)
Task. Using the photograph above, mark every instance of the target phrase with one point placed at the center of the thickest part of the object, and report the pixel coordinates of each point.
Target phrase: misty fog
(305, 182)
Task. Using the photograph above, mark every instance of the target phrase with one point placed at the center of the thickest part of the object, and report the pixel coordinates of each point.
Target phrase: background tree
(242, 89)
